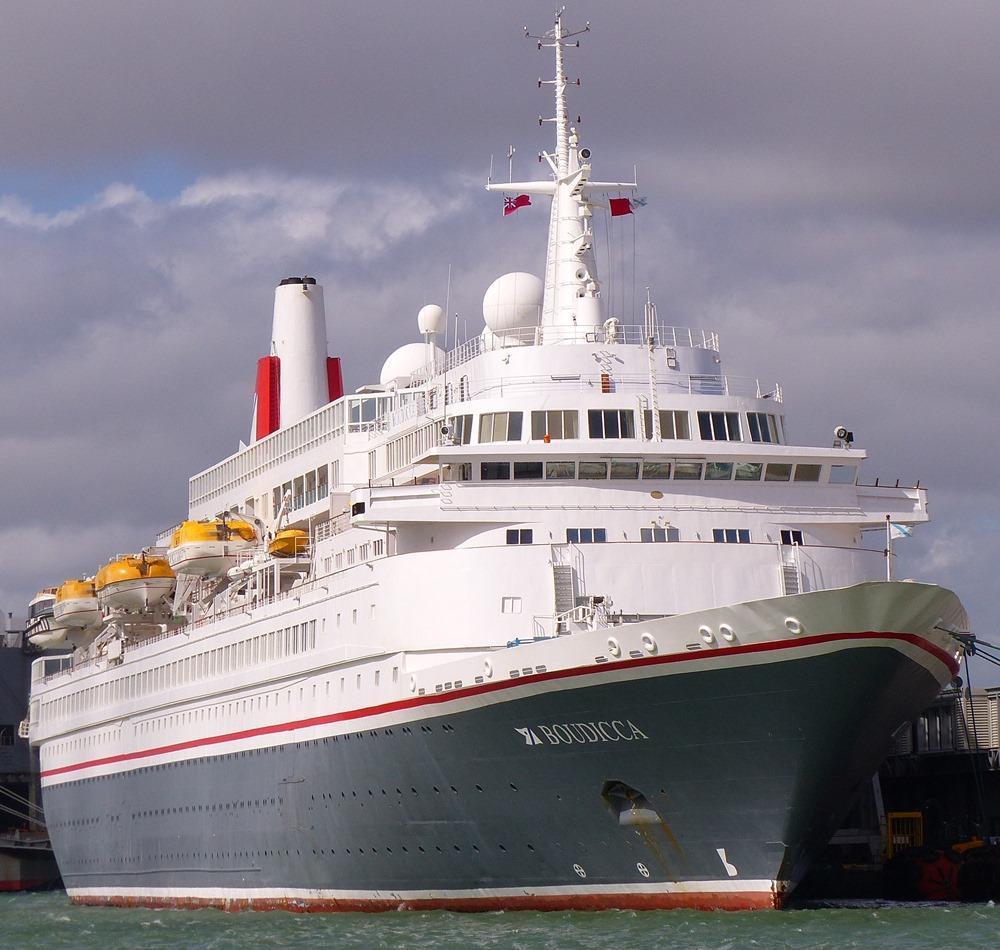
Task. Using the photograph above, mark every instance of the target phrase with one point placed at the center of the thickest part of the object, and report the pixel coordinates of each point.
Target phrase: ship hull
(706, 781)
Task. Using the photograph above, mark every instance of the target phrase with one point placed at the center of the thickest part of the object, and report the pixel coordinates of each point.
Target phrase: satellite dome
(430, 319)
(408, 359)
(512, 301)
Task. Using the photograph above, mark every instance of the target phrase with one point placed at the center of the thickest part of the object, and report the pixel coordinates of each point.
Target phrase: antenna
(510, 163)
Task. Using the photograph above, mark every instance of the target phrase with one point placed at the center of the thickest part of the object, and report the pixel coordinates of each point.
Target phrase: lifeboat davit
(76, 604)
(289, 543)
(135, 583)
(209, 548)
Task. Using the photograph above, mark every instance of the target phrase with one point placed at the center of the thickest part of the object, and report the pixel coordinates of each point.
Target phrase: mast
(571, 307)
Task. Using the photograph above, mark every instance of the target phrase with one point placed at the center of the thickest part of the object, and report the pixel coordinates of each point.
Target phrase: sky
(821, 184)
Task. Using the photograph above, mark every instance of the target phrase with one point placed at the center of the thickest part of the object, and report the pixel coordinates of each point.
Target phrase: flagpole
(888, 549)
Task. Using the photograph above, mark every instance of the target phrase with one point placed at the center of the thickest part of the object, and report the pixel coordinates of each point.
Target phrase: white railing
(689, 337)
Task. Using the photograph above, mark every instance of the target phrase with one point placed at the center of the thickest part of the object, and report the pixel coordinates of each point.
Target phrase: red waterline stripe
(694, 900)
(397, 705)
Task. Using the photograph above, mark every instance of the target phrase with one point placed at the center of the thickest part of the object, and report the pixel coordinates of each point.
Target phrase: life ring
(648, 642)
(488, 669)
(793, 625)
(706, 633)
(614, 647)
(728, 634)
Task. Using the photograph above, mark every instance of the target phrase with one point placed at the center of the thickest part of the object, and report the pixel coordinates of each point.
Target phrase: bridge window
(720, 426)
(560, 470)
(763, 427)
(624, 468)
(554, 424)
(843, 474)
(807, 473)
(527, 470)
(718, 471)
(749, 471)
(791, 536)
(687, 471)
(500, 427)
(777, 472)
(591, 470)
(611, 423)
(586, 535)
(494, 471)
(655, 469)
(731, 535)
(519, 535)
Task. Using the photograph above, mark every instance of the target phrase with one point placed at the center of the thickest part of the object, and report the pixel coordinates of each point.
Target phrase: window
(510, 605)
(593, 470)
(656, 470)
(494, 471)
(673, 424)
(843, 474)
(659, 535)
(458, 472)
(611, 423)
(731, 535)
(807, 473)
(586, 535)
(718, 471)
(560, 470)
(555, 424)
(690, 471)
(791, 536)
(777, 472)
(763, 427)
(461, 429)
(527, 470)
(720, 426)
(500, 427)
(519, 535)
(624, 468)
(749, 471)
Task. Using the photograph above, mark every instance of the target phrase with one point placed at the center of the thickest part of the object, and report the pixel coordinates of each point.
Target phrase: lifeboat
(76, 604)
(134, 583)
(289, 543)
(209, 548)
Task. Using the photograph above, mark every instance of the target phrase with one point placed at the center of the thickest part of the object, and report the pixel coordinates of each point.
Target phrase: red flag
(620, 206)
(510, 205)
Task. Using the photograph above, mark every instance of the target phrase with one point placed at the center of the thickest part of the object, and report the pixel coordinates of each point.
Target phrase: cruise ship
(558, 616)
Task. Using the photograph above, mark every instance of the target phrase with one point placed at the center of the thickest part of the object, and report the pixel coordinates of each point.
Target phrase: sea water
(48, 920)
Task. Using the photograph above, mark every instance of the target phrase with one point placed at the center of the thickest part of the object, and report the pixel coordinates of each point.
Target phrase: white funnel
(298, 339)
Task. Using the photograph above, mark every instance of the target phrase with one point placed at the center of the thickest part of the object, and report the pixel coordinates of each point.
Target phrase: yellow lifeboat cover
(132, 567)
(233, 529)
(75, 589)
(289, 542)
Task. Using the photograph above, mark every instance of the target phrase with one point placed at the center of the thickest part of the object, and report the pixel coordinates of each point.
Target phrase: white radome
(513, 301)
(408, 359)
(430, 319)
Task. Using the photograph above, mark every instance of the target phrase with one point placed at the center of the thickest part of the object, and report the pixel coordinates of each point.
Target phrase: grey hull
(743, 772)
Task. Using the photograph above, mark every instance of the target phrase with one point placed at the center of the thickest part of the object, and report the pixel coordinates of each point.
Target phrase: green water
(49, 921)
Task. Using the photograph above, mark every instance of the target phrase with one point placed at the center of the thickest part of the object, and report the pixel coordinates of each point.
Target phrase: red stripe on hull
(28, 885)
(707, 900)
(454, 694)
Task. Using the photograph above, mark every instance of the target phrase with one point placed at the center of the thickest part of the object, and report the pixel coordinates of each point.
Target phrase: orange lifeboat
(76, 604)
(210, 548)
(291, 542)
(135, 583)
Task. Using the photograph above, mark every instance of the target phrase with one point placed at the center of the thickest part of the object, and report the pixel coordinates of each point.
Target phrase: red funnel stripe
(268, 395)
(334, 378)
